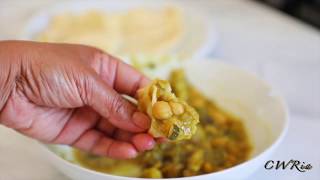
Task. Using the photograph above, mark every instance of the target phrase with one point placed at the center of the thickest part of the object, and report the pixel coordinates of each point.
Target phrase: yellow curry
(220, 142)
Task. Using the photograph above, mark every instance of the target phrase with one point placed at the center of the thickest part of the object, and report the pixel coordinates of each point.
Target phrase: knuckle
(118, 105)
(86, 91)
(95, 61)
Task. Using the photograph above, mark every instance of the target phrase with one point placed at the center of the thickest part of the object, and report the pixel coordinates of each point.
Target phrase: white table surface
(278, 48)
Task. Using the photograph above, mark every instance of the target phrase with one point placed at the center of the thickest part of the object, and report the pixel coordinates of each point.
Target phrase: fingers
(128, 80)
(81, 120)
(119, 75)
(105, 140)
(141, 141)
(111, 105)
(106, 127)
(138, 122)
(122, 135)
(97, 143)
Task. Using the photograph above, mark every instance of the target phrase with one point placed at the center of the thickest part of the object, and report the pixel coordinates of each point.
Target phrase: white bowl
(199, 40)
(264, 115)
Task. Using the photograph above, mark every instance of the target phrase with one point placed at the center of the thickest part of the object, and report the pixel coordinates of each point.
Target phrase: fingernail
(141, 120)
(143, 142)
(123, 151)
(131, 153)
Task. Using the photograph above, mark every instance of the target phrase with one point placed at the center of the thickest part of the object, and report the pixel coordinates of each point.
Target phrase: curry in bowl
(220, 142)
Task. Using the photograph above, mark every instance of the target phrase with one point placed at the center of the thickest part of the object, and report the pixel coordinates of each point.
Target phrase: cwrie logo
(291, 165)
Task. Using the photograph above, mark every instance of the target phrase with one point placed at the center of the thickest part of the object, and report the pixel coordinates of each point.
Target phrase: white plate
(198, 41)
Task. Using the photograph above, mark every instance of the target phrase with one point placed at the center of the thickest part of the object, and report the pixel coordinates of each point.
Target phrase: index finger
(128, 80)
(122, 77)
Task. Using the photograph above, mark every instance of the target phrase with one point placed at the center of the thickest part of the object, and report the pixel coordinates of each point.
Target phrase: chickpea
(188, 173)
(161, 110)
(218, 117)
(207, 167)
(152, 173)
(219, 142)
(177, 108)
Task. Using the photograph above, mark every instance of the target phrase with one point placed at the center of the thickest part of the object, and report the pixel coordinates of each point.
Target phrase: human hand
(70, 94)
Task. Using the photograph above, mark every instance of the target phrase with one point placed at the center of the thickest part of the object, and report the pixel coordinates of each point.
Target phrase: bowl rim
(267, 150)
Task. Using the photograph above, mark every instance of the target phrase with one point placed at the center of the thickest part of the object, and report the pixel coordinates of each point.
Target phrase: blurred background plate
(198, 40)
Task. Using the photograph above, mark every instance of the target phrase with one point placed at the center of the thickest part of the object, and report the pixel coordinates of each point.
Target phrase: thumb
(112, 106)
